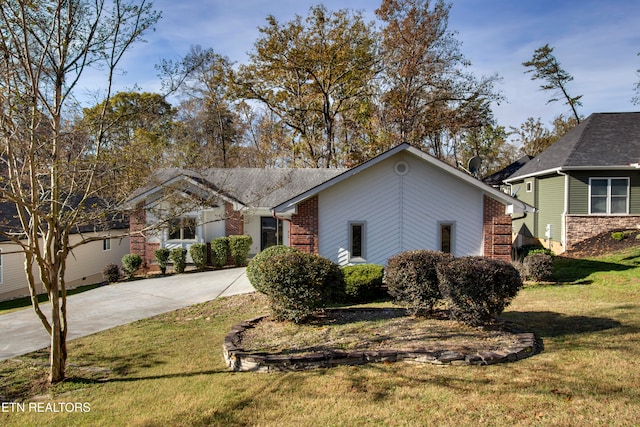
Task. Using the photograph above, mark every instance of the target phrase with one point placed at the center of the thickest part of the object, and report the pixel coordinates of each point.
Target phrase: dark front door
(270, 232)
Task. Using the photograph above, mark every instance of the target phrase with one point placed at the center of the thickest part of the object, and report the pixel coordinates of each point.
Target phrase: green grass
(169, 370)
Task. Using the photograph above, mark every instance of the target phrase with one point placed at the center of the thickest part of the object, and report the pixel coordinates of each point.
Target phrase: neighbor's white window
(106, 245)
(182, 229)
(529, 186)
(1, 275)
(608, 195)
(357, 241)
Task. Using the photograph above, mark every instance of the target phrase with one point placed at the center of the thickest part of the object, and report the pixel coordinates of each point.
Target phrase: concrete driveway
(102, 308)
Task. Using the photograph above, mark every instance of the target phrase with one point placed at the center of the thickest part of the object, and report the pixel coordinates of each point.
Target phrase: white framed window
(446, 234)
(182, 229)
(1, 269)
(357, 241)
(529, 186)
(106, 244)
(609, 196)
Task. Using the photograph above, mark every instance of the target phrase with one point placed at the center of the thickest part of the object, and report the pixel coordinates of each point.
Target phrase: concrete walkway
(21, 332)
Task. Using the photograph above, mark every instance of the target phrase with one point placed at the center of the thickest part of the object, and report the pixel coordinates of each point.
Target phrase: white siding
(401, 212)
(84, 265)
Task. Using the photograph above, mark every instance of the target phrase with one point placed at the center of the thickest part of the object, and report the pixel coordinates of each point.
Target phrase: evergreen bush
(131, 263)
(296, 284)
(111, 273)
(198, 252)
(179, 258)
(412, 279)
(220, 251)
(253, 269)
(363, 282)
(538, 267)
(239, 247)
(478, 289)
(162, 258)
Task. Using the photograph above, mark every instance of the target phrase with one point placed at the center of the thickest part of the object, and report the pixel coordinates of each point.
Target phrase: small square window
(106, 245)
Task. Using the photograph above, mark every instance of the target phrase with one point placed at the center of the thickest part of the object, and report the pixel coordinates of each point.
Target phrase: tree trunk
(58, 354)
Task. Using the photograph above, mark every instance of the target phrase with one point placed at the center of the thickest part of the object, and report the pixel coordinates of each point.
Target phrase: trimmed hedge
(363, 282)
(239, 247)
(412, 279)
(162, 258)
(297, 284)
(131, 263)
(478, 289)
(179, 258)
(111, 273)
(198, 252)
(253, 269)
(538, 267)
(219, 251)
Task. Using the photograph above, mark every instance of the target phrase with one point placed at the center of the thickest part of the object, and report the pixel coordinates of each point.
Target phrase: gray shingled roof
(602, 140)
(252, 187)
(498, 177)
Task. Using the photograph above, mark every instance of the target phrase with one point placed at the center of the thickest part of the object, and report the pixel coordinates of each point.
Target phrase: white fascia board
(629, 167)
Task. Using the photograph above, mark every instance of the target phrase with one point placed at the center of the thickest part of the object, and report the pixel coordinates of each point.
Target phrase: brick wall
(234, 223)
(303, 231)
(138, 240)
(496, 230)
(581, 227)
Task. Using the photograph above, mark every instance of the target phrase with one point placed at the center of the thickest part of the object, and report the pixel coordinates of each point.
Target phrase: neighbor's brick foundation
(138, 240)
(582, 227)
(496, 230)
(303, 231)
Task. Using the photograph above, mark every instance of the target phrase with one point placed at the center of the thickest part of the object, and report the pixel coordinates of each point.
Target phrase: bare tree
(53, 173)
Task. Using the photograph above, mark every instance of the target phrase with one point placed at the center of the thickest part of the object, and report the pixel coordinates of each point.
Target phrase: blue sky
(597, 42)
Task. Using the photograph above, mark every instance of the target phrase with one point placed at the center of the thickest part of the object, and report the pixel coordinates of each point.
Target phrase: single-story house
(401, 200)
(84, 264)
(586, 183)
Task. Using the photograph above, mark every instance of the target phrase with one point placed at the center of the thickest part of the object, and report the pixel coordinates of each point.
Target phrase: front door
(270, 232)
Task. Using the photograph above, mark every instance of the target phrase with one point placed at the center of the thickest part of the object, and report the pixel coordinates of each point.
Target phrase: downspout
(563, 224)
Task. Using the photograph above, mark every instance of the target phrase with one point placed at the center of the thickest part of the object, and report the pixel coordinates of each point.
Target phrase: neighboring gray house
(403, 199)
(585, 183)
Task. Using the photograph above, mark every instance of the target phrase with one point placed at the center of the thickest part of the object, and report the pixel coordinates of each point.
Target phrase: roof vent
(401, 168)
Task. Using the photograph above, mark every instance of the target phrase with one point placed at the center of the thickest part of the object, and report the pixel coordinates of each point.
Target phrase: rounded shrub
(198, 252)
(478, 289)
(219, 251)
(162, 258)
(296, 284)
(131, 263)
(363, 282)
(239, 247)
(111, 273)
(179, 258)
(412, 279)
(538, 267)
(253, 269)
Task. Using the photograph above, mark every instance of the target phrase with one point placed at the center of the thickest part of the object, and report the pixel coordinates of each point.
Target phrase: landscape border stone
(239, 360)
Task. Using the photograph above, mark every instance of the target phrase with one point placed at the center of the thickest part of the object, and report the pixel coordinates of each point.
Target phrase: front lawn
(169, 370)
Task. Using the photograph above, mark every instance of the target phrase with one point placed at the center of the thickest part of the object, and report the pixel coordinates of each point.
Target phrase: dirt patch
(373, 329)
(603, 244)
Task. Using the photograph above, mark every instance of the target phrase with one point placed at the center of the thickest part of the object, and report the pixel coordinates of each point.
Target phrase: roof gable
(428, 159)
(245, 187)
(602, 141)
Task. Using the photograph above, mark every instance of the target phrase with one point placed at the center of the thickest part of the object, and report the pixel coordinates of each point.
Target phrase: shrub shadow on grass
(574, 270)
(550, 324)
